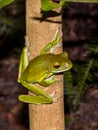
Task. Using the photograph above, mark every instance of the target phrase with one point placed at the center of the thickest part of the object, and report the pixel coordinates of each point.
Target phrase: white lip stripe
(58, 71)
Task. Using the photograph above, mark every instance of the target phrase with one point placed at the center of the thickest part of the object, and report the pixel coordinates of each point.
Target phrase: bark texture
(39, 33)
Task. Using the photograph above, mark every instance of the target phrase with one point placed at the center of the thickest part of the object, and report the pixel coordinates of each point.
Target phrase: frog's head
(61, 63)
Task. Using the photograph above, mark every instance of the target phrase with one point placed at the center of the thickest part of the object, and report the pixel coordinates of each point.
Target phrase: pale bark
(44, 117)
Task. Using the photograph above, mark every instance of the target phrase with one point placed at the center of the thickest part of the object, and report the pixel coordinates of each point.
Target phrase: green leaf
(47, 5)
(3, 3)
(82, 82)
(68, 87)
(68, 83)
(95, 64)
(82, 1)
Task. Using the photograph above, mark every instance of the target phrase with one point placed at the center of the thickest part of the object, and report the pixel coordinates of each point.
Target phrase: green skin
(42, 70)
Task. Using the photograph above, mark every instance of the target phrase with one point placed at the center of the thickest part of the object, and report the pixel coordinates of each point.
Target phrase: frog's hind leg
(37, 100)
(23, 62)
(40, 96)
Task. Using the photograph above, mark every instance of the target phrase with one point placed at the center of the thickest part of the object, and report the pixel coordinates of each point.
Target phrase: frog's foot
(26, 41)
(56, 46)
(56, 41)
(55, 99)
(59, 79)
(48, 81)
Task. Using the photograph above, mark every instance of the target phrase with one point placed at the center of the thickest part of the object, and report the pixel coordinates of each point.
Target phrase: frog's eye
(56, 1)
(56, 65)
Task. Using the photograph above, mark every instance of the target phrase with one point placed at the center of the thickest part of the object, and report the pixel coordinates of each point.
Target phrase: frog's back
(36, 68)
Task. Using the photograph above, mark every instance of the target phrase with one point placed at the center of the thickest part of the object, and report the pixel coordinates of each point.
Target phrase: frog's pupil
(56, 1)
(56, 65)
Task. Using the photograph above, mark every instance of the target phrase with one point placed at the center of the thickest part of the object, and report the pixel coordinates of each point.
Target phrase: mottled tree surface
(44, 117)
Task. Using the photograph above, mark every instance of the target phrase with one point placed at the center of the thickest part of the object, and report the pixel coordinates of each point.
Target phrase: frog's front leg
(52, 45)
(47, 81)
(40, 96)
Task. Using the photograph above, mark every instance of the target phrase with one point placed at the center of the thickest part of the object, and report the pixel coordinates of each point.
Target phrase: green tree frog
(42, 70)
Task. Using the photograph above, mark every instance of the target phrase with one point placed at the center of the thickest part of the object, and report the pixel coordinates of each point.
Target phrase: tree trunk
(39, 33)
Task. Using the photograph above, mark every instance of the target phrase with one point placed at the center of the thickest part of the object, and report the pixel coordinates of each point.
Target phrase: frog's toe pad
(55, 100)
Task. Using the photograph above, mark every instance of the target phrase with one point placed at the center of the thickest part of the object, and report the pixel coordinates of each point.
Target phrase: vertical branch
(39, 33)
